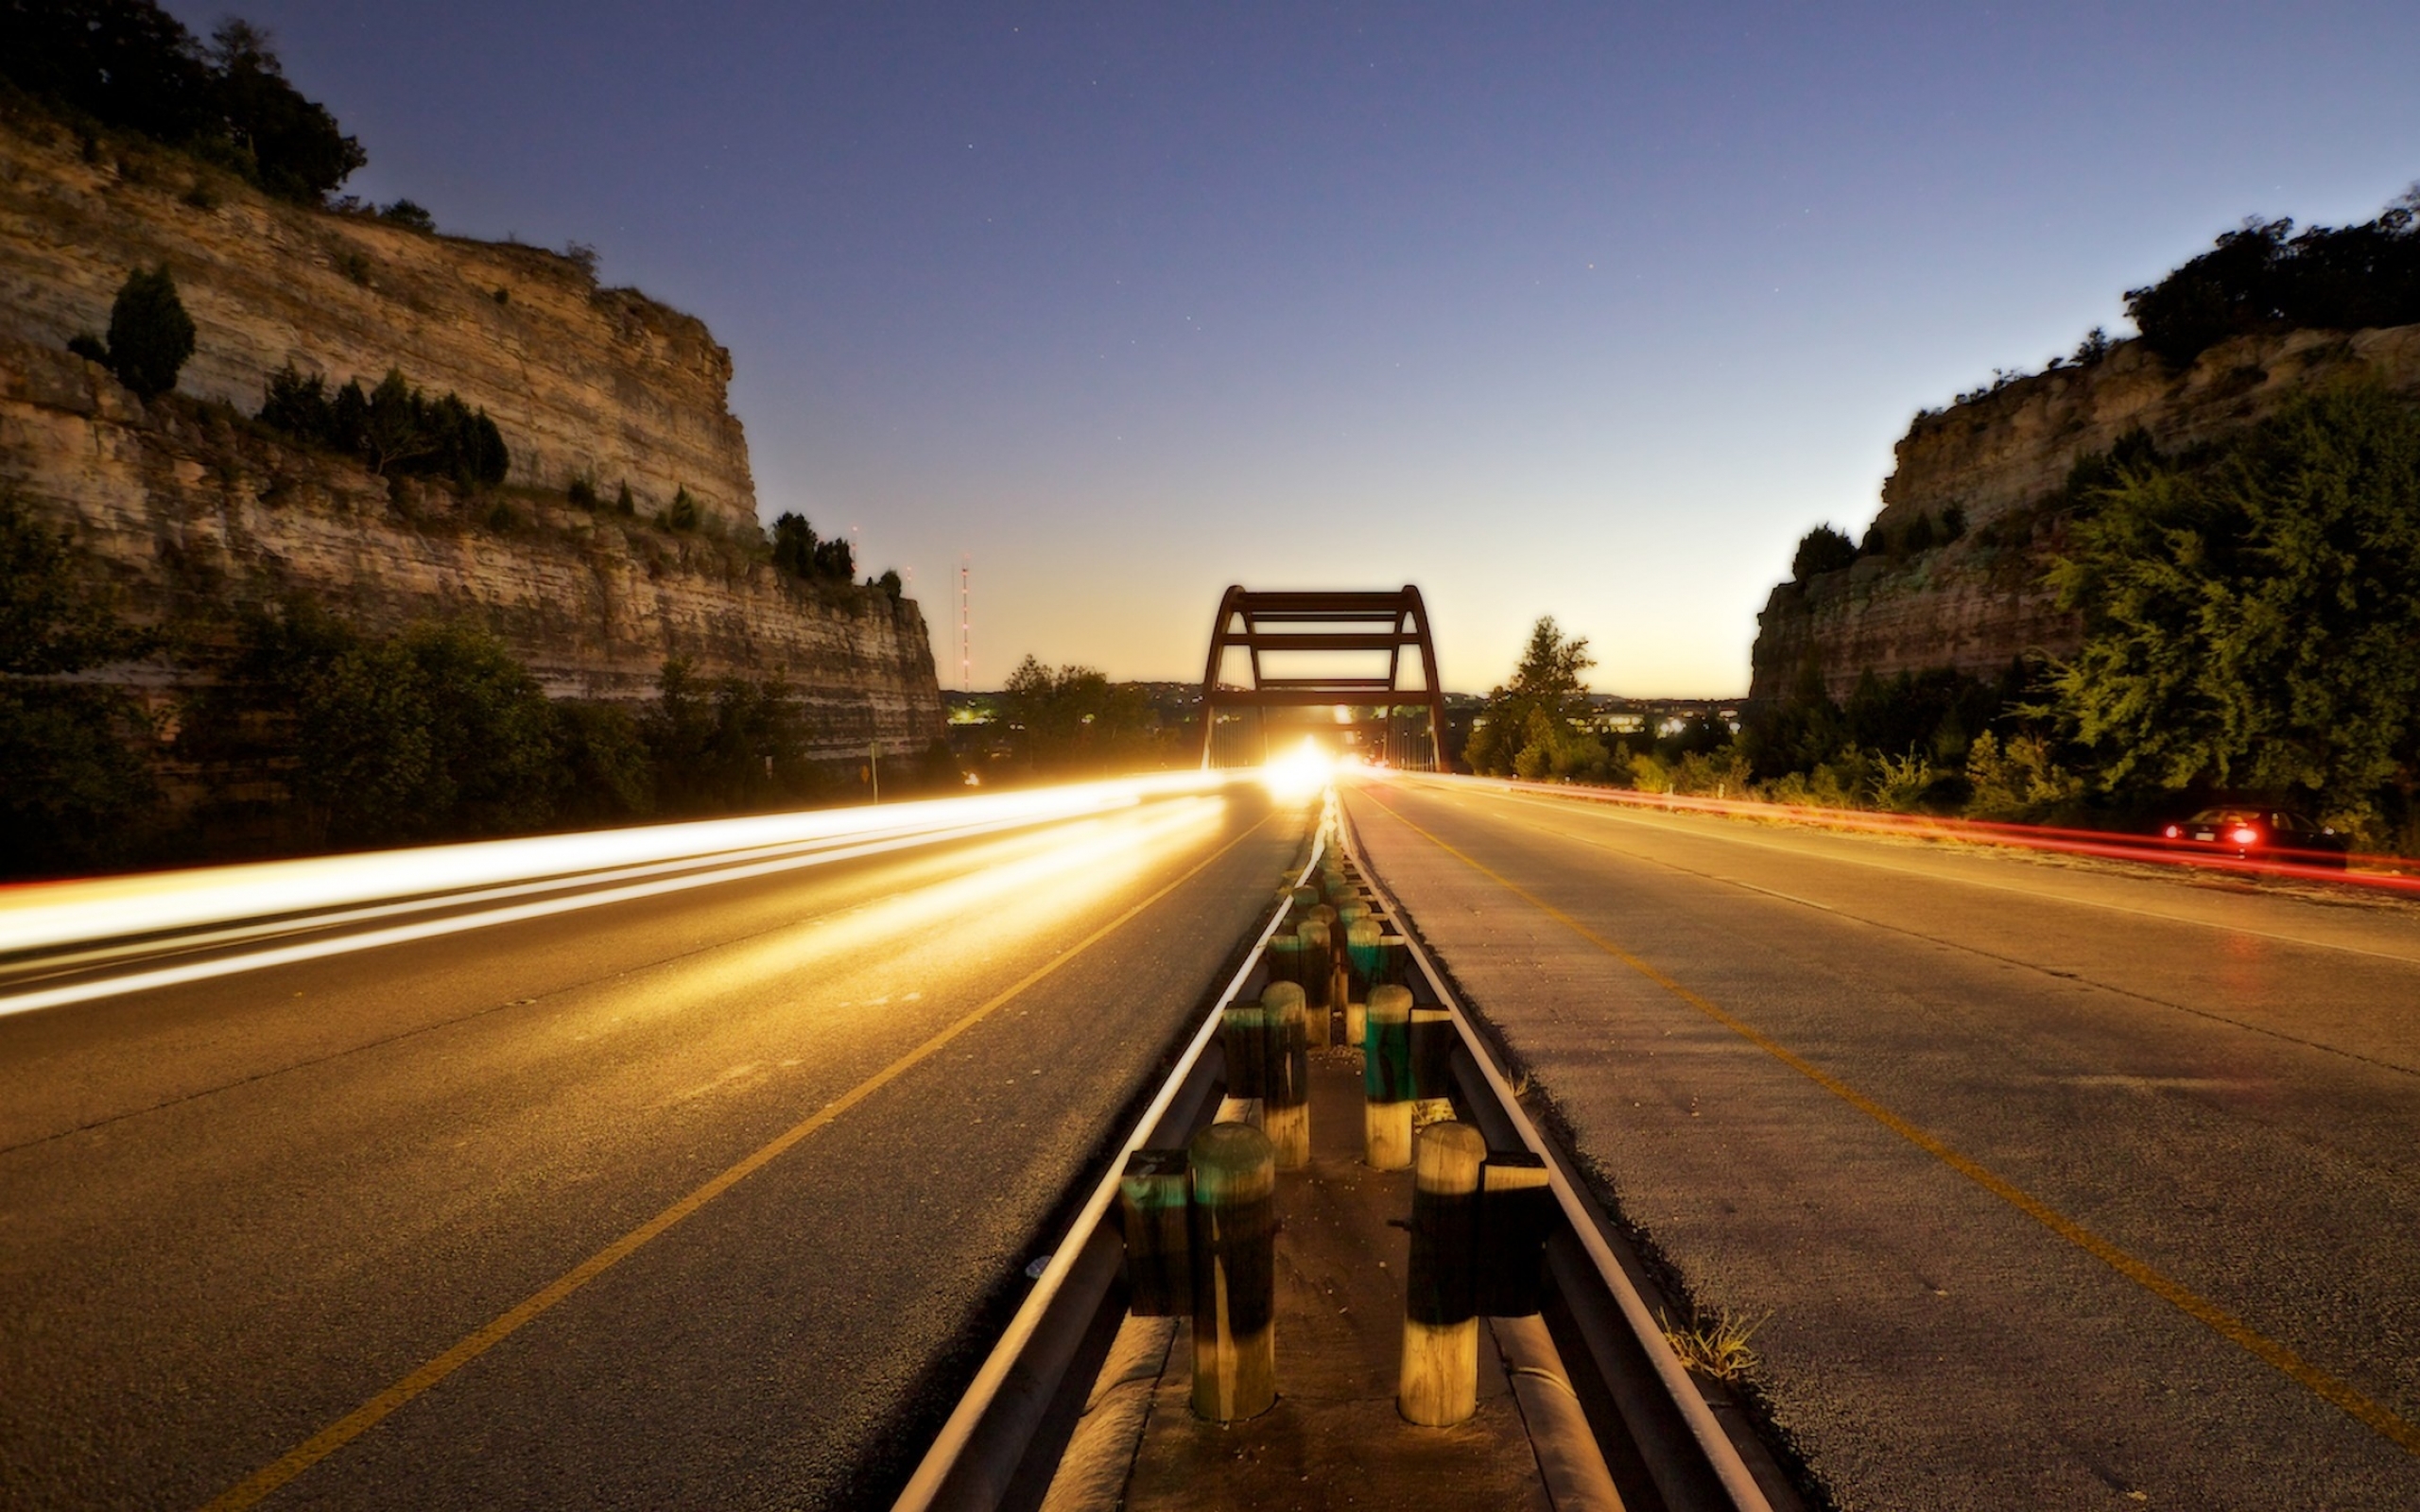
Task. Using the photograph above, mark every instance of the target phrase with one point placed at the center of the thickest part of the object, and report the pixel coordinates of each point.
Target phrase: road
(683, 1200)
(2055, 1183)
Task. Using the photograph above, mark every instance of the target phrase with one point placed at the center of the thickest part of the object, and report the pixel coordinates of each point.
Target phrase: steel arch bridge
(1327, 624)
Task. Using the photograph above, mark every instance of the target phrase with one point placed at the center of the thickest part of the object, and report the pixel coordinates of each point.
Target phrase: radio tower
(965, 624)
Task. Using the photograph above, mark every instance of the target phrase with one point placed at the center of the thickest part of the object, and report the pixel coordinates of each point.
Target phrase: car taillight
(2172, 831)
(2244, 835)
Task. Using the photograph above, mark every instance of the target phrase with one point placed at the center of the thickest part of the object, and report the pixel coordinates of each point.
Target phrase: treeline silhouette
(129, 65)
(2264, 276)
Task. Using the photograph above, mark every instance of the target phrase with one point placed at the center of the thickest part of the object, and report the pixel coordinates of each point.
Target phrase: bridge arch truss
(1272, 627)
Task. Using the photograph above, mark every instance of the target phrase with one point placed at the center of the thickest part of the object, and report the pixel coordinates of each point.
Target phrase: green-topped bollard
(1314, 935)
(1440, 1382)
(1285, 958)
(1234, 1280)
(1352, 913)
(1286, 1075)
(1364, 947)
(1155, 1202)
(1386, 1081)
(1243, 1033)
(1433, 1040)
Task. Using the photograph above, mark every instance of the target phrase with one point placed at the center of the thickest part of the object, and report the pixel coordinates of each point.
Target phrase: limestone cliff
(2000, 463)
(582, 380)
(183, 500)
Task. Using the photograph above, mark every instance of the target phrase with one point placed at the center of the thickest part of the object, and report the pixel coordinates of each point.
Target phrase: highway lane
(234, 1211)
(2055, 1183)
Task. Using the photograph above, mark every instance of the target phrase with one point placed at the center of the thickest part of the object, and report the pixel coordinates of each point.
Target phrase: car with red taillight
(2262, 835)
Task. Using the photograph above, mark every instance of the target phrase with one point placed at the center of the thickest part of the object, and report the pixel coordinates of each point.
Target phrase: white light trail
(60, 915)
(41, 916)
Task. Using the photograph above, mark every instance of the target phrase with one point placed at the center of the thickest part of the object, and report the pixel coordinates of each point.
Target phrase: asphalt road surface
(473, 1222)
(2054, 1184)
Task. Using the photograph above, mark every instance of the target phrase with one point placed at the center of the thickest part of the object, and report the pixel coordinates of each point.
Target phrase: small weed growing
(1716, 1348)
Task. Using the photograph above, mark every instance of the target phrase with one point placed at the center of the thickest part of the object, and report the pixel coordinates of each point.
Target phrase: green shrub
(1822, 550)
(727, 744)
(2251, 614)
(601, 758)
(683, 513)
(150, 335)
(411, 217)
(432, 733)
(395, 428)
(581, 493)
(79, 791)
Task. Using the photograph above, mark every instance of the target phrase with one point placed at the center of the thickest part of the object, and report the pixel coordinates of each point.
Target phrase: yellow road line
(2200, 1309)
(370, 1413)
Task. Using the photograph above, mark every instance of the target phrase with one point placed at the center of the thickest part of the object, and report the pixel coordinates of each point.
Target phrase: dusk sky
(1580, 310)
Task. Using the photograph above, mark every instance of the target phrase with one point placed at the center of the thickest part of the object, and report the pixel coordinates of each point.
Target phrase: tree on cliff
(2253, 617)
(798, 551)
(128, 63)
(1822, 550)
(395, 427)
(150, 335)
(296, 149)
(2262, 277)
(1539, 715)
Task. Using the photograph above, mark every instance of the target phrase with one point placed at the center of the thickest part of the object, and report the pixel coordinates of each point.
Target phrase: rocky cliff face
(182, 510)
(182, 503)
(582, 380)
(2000, 463)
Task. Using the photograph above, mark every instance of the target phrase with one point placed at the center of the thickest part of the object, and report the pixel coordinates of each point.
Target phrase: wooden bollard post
(1234, 1278)
(1154, 1202)
(1243, 1033)
(1286, 1075)
(1363, 949)
(1315, 934)
(1386, 1086)
(1285, 956)
(1439, 1385)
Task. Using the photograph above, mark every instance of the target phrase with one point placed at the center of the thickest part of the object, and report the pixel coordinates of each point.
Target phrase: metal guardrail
(989, 1438)
(1684, 1449)
(1000, 1443)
